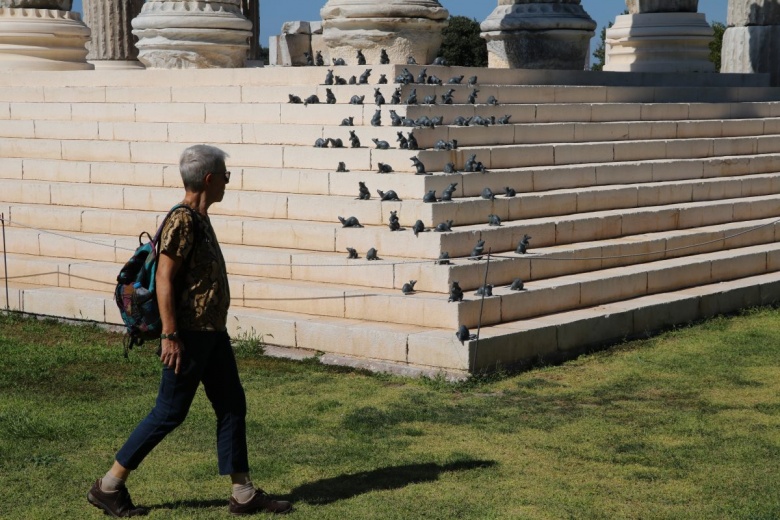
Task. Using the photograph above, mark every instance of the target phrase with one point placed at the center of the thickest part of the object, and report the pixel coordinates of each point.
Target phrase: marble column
(42, 35)
(183, 34)
(751, 43)
(659, 36)
(538, 34)
(402, 27)
(112, 44)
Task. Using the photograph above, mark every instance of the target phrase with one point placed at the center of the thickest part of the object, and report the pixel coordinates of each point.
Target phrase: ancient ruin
(112, 44)
(752, 39)
(583, 207)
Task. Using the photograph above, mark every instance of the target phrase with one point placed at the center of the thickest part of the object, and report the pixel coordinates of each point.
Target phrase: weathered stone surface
(62, 5)
(662, 6)
(42, 39)
(292, 48)
(551, 34)
(752, 49)
(402, 27)
(296, 28)
(110, 23)
(177, 34)
(659, 42)
(753, 12)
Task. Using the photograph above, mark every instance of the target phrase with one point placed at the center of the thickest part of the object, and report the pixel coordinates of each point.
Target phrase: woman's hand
(172, 354)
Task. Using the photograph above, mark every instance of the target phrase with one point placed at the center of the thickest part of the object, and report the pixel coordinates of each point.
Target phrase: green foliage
(716, 44)
(685, 425)
(462, 45)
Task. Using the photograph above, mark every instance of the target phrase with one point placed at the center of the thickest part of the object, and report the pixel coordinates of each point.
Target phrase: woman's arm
(172, 349)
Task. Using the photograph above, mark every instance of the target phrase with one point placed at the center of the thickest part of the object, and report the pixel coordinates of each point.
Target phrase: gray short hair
(196, 161)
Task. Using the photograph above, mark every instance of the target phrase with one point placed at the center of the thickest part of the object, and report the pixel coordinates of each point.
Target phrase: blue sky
(274, 13)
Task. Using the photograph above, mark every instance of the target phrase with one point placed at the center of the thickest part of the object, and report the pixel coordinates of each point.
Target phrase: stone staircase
(648, 206)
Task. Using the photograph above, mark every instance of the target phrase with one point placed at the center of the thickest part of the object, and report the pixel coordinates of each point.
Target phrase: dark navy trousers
(208, 359)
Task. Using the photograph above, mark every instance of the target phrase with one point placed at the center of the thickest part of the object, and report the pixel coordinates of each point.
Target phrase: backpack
(135, 290)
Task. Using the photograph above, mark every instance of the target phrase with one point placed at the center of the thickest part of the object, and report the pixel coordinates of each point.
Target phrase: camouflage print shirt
(201, 286)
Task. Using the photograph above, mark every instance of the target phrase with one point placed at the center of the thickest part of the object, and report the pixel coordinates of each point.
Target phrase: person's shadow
(346, 486)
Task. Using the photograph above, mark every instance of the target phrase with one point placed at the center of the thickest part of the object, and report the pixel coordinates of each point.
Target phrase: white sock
(111, 483)
(243, 493)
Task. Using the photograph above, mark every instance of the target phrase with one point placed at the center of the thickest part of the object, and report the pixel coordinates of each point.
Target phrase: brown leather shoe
(259, 503)
(116, 503)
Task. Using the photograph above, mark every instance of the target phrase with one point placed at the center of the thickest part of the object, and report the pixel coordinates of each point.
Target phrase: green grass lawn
(682, 426)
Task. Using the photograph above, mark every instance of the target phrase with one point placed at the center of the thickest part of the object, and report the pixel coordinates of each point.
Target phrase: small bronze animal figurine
(338, 62)
(444, 259)
(456, 80)
(387, 195)
(456, 293)
(329, 97)
(412, 142)
(472, 99)
(476, 253)
(418, 227)
(449, 168)
(440, 60)
(396, 97)
(412, 99)
(311, 100)
(381, 145)
(321, 143)
(342, 168)
(504, 120)
(444, 227)
(394, 223)
(377, 119)
(320, 61)
(356, 100)
(352, 254)
(384, 59)
(488, 194)
(336, 143)
(361, 59)
(408, 288)
(509, 192)
(446, 195)
(350, 222)
(430, 196)
(517, 285)
(348, 121)
(379, 99)
(522, 247)
(365, 194)
(485, 290)
(384, 168)
(295, 100)
(382, 79)
(395, 118)
(418, 165)
(372, 254)
(464, 335)
(354, 140)
(364, 77)
(403, 143)
(494, 220)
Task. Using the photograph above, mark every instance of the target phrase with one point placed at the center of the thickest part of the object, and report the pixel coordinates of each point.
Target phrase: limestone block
(405, 244)
(26, 192)
(543, 133)
(292, 47)
(65, 303)
(139, 94)
(41, 148)
(11, 168)
(296, 181)
(168, 113)
(274, 328)
(735, 146)
(95, 151)
(576, 229)
(133, 131)
(353, 338)
(704, 214)
(662, 6)
(678, 274)
(440, 349)
(301, 135)
(237, 113)
(51, 218)
(298, 27)
(192, 34)
(539, 298)
(543, 267)
(639, 151)
(112, 112)
(336, 269)
(741, 265)
(563, 177)
(664, 112)
(563, 113)
(517, 156)
(228, 230)
(42, 39)
(658, 195)
(116, 222)
(767, 144)
(16, 128)
(709, 111)
(758, 207)
(289, 297)
(41, 111)
(514, 343)
(585, 153)
(622, 173)
(689, 148)
(274, 52)
(717, 189)
(289, 234)
(5, 110)
(538, 35)
(402, 27)
(75, 94)
(22, 241)
(66, 130)
(620, 284)
(650, 249)
(729, 298)
(599, 199)
(542, 205)
(27, 270)
(677, 170)
(322, 209)
(91, 196)
(753, 12)
(589, 132)
(752, 49)
(659, 42)
(56, 171)
(27, 95)
(90, 276)
(746, 127)
(129, 174)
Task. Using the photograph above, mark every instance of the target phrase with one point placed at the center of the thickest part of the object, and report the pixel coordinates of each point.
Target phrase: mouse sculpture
(384, 168)
(361, 59)
(509, 192)
(382, 79)
(356, 100)
(330, 98)
(517, 285)
(472, 99)
(352, 254)
(364, 193)
(412, 142)
(377, 119)
(295, 100)
(422, 77)
(444, 227)
(319, 59)
(430, 196)
(417, 163)
(485, 290)
(311, 100)
(412, 98)
(476, 253)
(522, 247)
(381, 145)
(384, 59)
(372, 254)
(354, 140)
(488, 194)
(348, 121)
(456, 293)
(336, 143)
(464, 335)
(394, 223)
(341, 168)
(418, 227)
(440, 60)
(364, 77)
(408, 288)
(395, 119)
(446, 195)
(379, 99)
(388, 195)
(494, 220)
(456, 80)
(350, 222)
(504, 120)
(403, 142)
(339, 62)
(450, 168)
(444, 259)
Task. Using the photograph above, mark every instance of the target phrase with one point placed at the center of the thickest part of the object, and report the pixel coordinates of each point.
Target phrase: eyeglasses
(227, 176)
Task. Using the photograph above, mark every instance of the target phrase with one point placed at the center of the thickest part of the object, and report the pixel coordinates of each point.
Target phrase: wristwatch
(172, 335)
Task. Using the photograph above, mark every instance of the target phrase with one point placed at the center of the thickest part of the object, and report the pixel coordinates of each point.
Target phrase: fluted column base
(401, 27)
(192, 34)
(662, 42)
(538, 36)
(42, 39)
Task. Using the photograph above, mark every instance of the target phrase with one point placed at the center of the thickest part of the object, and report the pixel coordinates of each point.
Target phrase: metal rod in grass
(481, 307)
(5, 264)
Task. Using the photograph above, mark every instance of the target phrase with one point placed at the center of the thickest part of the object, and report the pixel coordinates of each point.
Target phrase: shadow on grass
(194, 504)
(327, 491)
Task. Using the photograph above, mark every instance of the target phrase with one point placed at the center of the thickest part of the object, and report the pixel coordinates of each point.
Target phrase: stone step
(375, 304)
(493, 157)
(414, 350)
(323, 236)
(307, 134)
(329, 182)
(392, 272)
(462, 211)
